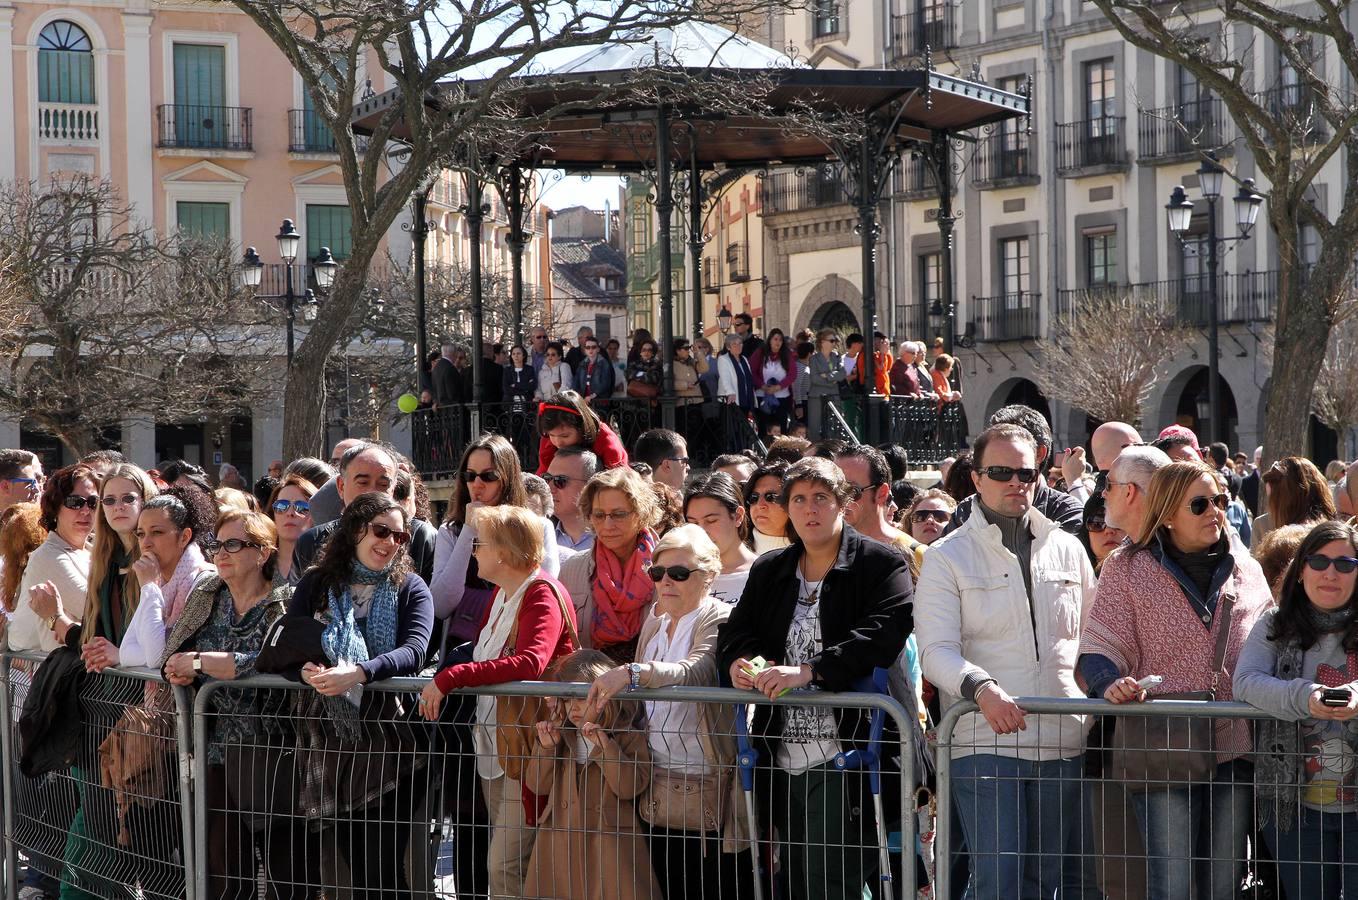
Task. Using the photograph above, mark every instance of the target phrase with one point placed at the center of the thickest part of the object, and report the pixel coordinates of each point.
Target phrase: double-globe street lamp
(296, 305)
(1180, 214)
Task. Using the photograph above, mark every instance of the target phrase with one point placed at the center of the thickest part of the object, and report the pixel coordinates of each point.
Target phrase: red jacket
(607, 446)
(541, 638)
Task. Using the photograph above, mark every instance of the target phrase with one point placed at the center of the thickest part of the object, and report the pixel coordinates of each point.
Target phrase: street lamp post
(304, 305)
(1179, 212)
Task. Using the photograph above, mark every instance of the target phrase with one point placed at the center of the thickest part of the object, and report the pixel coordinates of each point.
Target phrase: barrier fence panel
(1163, 799)
(300, 792)
(113, 822)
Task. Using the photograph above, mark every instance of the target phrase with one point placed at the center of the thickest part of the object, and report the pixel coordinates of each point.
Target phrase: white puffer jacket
(973, 617)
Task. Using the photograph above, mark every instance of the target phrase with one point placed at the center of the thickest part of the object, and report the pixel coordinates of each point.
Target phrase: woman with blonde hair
(1171, 605)
(609, 584)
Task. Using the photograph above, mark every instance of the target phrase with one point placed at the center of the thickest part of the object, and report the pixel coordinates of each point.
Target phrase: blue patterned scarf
(343, 640)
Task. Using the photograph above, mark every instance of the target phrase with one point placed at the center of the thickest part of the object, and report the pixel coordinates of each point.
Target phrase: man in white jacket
(998, 612)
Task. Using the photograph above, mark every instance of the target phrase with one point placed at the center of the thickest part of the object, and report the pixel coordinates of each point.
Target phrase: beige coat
(716, 721)
(577, 576)
(590, 844)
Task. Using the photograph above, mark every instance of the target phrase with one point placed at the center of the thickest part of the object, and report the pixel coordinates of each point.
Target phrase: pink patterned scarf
(191, 565)
(621, 594)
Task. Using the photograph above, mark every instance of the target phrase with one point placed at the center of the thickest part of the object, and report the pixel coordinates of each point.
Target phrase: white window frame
(176, 188)
(216, 38)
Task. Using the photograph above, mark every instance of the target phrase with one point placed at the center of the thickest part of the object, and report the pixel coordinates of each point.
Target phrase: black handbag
(1157, 752)
(290, 643)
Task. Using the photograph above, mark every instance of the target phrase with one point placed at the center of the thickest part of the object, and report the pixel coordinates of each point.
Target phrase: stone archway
(1185, 402)
(834, 303)
(836, 316)
(1019, 390)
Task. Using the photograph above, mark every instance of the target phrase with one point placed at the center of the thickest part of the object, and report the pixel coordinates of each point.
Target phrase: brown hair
(569, 408)
(306, 487)
(1169, 485)
(515, 530)
(101, 555)
(1015, 434)
(932, 494)
(258, 528)
(60, 485)
(1276, 551)
(1299, 493)
(21, 532)
(637, 489)
(505, 461)
(585, 667)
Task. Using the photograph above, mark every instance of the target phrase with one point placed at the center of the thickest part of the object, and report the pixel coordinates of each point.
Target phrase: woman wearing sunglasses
(1164, 606)
(1099, 538)
(171, 536)
(1301, 666)
(218, 635)
(713, 502)
(531, 625)
(290, 508)
(609, 584)
(768, 516)
(378, 617)
(929, 515)
(567, 420)
(823, 613)
(60, 565)
(692, 745)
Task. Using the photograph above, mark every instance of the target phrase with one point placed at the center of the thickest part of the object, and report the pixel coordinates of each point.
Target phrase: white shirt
(728, 587)
(810, 735)
(672, 728)
(548, 376)
(68, 568)
(503, 613)
(774, 371)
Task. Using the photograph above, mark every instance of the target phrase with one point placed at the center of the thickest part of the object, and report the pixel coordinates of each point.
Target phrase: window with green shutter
(328, 226)
(65, 64)
(204, 219)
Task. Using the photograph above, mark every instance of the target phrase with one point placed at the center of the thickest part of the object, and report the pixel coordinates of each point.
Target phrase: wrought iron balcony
(1297, 109)
(1188, 128)
(1005, 158)
(204, 127)
(1008, 317)
(929, 25)
(913, 179)
(803, 189)
(738, 260)
(1091, 144)
(308, 132)
(1242, 298)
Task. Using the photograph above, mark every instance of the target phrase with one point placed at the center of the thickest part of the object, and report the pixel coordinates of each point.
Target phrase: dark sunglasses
(560, 482)
(1095, 526)
(856, 492)
(74, 502)
(385, 532)
(920, 516)
(490, 476)
(125, 500)
(1007, 473)
(1101, 482)
(301, 507)
(1198, 505)
(28, 482)
(767, 497)
(1344, 565)
(591, 346)
(231, 545)
(676, 573)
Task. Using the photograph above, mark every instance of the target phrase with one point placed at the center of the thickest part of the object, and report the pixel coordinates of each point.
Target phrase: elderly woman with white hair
(692, 745)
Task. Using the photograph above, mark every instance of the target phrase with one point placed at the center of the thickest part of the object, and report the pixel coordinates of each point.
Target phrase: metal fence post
(200, 744)
(187, 803)
(7, 748)
(943, 849)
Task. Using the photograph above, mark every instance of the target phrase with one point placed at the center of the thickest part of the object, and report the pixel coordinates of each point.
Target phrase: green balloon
(408, 403)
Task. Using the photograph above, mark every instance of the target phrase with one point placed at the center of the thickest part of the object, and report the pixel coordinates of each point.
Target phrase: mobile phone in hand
(1335, 696)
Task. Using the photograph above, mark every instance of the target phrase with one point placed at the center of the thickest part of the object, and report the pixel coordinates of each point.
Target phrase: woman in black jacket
(520, 383)
(831, 608)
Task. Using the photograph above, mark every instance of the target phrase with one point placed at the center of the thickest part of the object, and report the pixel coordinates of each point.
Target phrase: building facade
(1069, 203)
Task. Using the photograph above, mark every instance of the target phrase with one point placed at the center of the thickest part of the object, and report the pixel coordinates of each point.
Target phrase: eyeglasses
(560, 482)
(386, 532)
(477, 544)
(1096, 526)
(1344, 565)
(676, 573)
(682, 460)
(27, 482)
(598, 516)
(1198, 505)
(767, 497)
(1007, 473)
(490, 476)
(920, 516)
(231, 545)
(124, 500)
(591, 346)
(1101, 482)
(300, 507)
(855, 492)
(75, 502)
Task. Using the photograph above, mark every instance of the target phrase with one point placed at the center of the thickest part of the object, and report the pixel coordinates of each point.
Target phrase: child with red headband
(566, 420)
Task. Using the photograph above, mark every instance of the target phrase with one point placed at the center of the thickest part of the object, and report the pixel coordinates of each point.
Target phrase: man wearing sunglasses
(20, 478)
(998, 611)
(569, 471)
(869, 477)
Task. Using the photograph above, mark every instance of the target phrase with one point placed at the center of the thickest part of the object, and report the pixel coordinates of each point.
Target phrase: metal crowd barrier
(260, 788)
(1083, 819)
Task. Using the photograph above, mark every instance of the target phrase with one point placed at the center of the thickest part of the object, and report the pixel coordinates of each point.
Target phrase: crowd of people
(1136, 570)
(783, 385)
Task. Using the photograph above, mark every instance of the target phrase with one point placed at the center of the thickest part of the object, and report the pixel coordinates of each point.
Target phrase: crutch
(870, 760)
(746, 757)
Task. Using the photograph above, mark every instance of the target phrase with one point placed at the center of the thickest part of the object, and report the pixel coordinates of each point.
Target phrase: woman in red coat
(566, 420)
(531, 624)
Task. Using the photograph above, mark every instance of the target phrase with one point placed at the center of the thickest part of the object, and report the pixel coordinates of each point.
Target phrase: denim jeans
(1318, 857)
(1195, 836)
(1017, 815)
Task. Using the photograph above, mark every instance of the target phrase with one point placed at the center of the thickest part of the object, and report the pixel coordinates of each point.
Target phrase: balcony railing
(711, 278)
(204, 127)
(308, 132)
(929, 25)
(1187, 128)
(1093, 143)
(1242, 298)
(1297, 109)
(1008, 317)
(1005, 157)
(807, 189)
(738, 260)
(913, 179)
(68, 123)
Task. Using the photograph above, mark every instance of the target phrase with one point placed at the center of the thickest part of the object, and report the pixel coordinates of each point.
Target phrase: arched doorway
(831, 304)
(835, 315)
(1019, 390)
(1191, 407)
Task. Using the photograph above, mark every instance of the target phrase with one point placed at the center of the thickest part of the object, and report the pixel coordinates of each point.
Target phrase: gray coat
(826, 375)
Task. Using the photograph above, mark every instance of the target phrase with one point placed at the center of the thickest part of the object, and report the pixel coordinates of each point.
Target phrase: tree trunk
(304, 401)
(1299, 352)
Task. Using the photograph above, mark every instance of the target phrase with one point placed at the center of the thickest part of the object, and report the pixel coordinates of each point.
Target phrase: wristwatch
(633, 676)
(197, 663)
(50, 622)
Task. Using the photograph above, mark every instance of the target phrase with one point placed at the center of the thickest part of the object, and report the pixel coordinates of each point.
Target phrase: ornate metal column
(664, 209)
(695, 233)
(475, 212)
(419, 230)
(511, 185)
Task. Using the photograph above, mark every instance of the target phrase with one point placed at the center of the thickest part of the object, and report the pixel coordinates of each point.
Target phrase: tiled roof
(577, 264)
